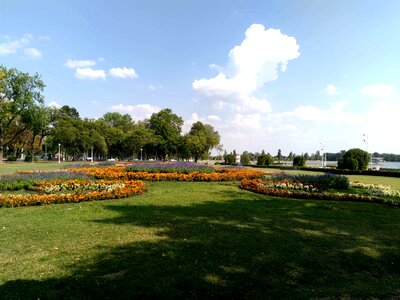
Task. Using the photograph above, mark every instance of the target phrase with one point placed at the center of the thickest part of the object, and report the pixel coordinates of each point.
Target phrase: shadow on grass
(249, 248)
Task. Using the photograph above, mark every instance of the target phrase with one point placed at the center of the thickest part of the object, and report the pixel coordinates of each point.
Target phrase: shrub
(11, 158)
(245, 158)
(299, 161)
(354, 159)
(264, 160)
(322, 182)
(230, 159)
(29, 158)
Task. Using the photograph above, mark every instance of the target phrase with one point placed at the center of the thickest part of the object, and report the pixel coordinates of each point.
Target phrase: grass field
(200, 240)
(11, 167)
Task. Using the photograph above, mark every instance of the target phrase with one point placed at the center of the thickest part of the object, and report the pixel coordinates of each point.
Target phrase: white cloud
(138, 111)
(256, 61)
(247, 121)
(153, 87)
(378, 90)
(90, 74)
(194, 117)
(10, 46)
(213, 118)
(331, 89)
(253, 104)
(123, 72)
(54, 104)
(74, 63)
(33, 53)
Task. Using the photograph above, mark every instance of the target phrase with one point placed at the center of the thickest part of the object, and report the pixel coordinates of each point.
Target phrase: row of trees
(27, 125)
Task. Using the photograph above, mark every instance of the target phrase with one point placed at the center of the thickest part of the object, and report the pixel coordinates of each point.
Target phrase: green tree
(19, 93)
(354, 159)
(167, 128)
(264, 159)
(245, 158)
(299, 161)
(36, 120)
(201, 139)
(291, 155)
(279, 156)
(230, 159)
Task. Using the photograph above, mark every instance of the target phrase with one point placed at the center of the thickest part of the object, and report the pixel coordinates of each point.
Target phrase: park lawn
(200, 240)
(12, 167)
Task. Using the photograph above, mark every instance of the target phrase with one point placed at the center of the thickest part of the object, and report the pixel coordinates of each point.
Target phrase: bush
(264, 160)
(299, 161)
(245, 158)
(322, 182)
(229, 159)
(354, 159)
(28, 158)
(11, 158)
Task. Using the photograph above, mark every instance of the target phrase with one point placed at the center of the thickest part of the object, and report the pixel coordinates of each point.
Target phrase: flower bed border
(127, 189)
(256, 186)
(223, 174)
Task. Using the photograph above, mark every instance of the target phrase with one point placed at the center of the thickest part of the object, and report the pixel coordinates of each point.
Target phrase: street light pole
(59, 153)
(365, 139)
(141, 154)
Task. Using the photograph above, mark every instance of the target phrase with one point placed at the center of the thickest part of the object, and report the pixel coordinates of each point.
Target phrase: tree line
(28, 126)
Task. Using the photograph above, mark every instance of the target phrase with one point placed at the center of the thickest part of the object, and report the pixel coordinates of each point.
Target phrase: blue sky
(299, 76)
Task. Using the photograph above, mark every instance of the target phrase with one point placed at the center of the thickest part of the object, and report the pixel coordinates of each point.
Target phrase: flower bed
(378, 190)
(176, 167)
(74, 191)
(266, 188)
(223, 174)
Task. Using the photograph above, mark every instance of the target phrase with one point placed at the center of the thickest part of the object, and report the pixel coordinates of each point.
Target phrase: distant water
(390, 165)
(384, 165)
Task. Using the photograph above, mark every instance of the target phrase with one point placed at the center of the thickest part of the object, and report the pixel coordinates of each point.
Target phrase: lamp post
(92, 154)
(59, 153)
(141, 154)
(322, 156)
(365, 140)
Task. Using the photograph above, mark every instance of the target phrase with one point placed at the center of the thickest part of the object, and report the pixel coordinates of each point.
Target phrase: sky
(295, 75)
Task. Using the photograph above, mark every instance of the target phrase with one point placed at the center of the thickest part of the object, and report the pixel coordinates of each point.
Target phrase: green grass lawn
(200, 240)
(12, 167)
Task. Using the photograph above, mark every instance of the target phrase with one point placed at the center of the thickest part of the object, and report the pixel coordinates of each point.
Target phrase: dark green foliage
(229, 159)
(322, 182)
(264, 160)
(354, 159)
(299, 161)
(11, 158)
(245, 158)
(29, 158)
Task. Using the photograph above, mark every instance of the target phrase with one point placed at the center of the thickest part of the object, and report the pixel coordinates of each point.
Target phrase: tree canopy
(27, 125)
(22, 112)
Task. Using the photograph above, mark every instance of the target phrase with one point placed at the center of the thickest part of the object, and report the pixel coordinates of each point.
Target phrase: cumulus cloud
(54, 104)
(33, 53)
(194, 117)
(123, 72)
(378, 90)
(90, 74)
(10, 46)
(138, 111)
(331, 89)
(256, 61)
(214, 118)
(74, 63)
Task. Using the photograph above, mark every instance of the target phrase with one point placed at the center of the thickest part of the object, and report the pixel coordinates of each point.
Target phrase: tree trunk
(1, 154)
